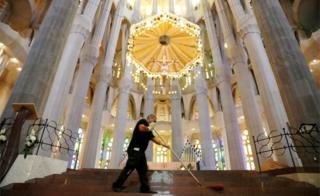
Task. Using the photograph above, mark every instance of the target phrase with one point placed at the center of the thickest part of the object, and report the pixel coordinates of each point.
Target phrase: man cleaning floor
(141, 136)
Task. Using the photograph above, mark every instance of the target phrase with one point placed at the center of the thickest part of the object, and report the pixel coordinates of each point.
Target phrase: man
(142, 133)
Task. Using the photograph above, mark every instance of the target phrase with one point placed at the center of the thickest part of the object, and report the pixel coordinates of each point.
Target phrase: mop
(216, 187)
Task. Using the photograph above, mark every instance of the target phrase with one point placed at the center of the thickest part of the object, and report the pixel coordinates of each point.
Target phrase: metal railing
(50, 137)
(305, 140)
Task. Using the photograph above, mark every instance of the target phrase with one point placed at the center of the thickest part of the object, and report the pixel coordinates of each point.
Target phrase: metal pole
(193, 176)
(257, 154)
(289, 145)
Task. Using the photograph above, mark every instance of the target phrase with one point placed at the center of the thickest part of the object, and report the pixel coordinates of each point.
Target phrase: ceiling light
(2, 46)
(314, 62)
(14, 60)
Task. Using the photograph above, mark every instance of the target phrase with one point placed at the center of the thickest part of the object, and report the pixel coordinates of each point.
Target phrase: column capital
(246, 25)
(125, 87)
(82, 25)
(89, 55)
(200, 86)
(235, 55)
(103, 75)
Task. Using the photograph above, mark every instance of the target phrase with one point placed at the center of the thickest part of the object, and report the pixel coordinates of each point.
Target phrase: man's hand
(166, 146)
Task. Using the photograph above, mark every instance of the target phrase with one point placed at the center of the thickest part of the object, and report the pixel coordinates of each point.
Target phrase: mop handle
(193, 176)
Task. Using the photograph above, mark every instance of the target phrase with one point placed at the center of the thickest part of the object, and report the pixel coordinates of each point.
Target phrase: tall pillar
(237, 59)
(92, 143)
(176, 126)
(149, 109)
(63, 77)
(171, 6)
(204, 121)
(88, 60)
(104, 77)
(35, 79)
(136, 11)
(120, 126)
(154, 7)
(249, 31)
(189, 10)
(297, 87)
(219, 122)
(235, 147)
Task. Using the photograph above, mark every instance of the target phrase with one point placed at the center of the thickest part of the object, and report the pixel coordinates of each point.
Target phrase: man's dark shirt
(140, 139)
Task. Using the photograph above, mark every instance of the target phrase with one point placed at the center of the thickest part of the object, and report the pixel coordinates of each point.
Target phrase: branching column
(177, 134)
(238, 62)
(154, 7)
(103, 78)
(63, 78)
(249, 31)
(120, 126)
(88, 61)
(149, 109)
(298, 90)
(171, 6)
(204, 121)
(136, 11)
(235, 147)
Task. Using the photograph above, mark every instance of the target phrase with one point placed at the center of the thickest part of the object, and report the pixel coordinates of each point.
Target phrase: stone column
(204, 121)
(235, 147)
(104, 76)
(148, 109)
(219, 122)
(136, 11)
(176, 126)
(297, 87)
(92, 143)
(238, 62)
(63, 77)
(120, 125)
(154, 7)
(88, 60)
(35, 80)
(249, 31)
(189, 10)
(171, 6)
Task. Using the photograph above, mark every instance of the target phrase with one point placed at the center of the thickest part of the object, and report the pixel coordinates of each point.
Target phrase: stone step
(98, 182)
(175, 191)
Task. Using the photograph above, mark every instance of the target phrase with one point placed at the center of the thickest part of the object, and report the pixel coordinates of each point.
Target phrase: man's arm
(158, 141)
(143, 128)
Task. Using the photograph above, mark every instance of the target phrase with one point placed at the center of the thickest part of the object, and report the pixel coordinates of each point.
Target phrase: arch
(182, 108)
(131, 112)
(132, 107)
(17, 45)
(211, 107)
(191, 106)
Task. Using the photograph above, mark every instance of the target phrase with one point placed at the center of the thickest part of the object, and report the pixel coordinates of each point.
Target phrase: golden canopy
(164, 44)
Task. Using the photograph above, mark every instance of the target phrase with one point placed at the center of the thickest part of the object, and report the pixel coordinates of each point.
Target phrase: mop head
(216, 187)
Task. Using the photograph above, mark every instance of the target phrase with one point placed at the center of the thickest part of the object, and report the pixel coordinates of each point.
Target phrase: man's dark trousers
(136, 160)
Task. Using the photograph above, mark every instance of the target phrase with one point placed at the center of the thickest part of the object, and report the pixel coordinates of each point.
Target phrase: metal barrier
(45, 135)
(306, 139)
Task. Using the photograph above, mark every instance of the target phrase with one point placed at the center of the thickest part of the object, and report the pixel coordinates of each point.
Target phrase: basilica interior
(216, 73)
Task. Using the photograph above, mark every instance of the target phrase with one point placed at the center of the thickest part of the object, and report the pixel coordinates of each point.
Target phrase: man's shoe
(149, 191)
(118, 188)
